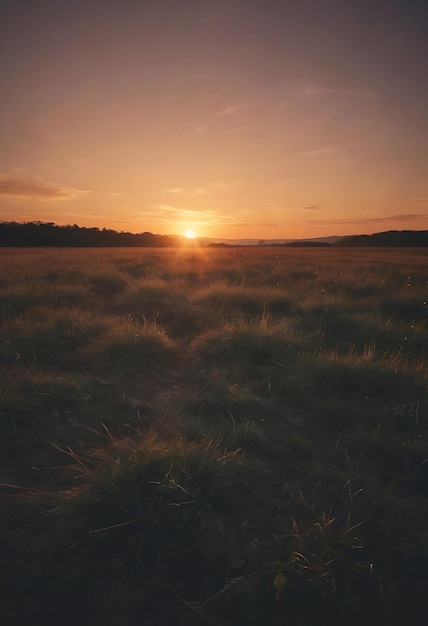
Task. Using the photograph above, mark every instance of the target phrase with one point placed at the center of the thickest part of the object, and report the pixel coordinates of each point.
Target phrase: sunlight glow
(190, 234)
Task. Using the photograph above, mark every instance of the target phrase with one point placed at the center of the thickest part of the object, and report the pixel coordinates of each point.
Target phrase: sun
(190, 234)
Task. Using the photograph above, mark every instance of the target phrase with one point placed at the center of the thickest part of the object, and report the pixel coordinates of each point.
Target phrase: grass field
(214, 436)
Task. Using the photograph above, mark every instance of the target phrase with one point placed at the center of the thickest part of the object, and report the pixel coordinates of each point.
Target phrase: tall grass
(206, 436)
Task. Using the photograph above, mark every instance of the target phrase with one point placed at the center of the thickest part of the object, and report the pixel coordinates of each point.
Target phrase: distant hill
(269, 242)
(307, 243)
(388, 239)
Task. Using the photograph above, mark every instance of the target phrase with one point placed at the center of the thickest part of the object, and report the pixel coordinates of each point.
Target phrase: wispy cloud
(229, 184)
(330, 156)
(189, 191)
(372, 183)
(312, 207)
(177, 190)
(284, 181)
(400, 217)
(161, 209)
(315, 89)
(199, 191)
(167, 213)
(406, 216)
(208, 124)
(321, 152)
(36, 189)
(252, 224)
(227, 111)
(178, 211)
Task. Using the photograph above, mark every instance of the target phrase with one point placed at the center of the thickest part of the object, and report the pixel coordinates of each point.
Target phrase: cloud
(240, 224)
(206, 125)
(198, 191)
(227, 111)
(284, 181)
(314, 89)
(228, 184)
(406, 216)
(177, 190)
(402, 217)
(165, 208)
(167, 213)
(190, 191)
(252, 224)
(312, 207)
(372, 183)
(321, 152)
(329, 156)
(168, 208)
(36, 189)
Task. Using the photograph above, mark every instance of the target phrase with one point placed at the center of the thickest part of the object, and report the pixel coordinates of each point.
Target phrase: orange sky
(236, 118)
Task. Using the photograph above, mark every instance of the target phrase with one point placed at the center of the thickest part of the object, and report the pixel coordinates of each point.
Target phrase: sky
(257, 119)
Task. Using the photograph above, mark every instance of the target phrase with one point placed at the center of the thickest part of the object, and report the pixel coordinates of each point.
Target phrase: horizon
(243, 120)
(191, 237)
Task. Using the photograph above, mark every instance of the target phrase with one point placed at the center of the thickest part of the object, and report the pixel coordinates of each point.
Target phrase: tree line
(37, 233)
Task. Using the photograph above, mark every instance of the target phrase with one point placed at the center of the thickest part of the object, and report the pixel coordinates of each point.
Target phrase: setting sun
(190, 234)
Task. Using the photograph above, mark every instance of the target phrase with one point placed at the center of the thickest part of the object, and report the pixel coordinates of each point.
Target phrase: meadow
(199, 436)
